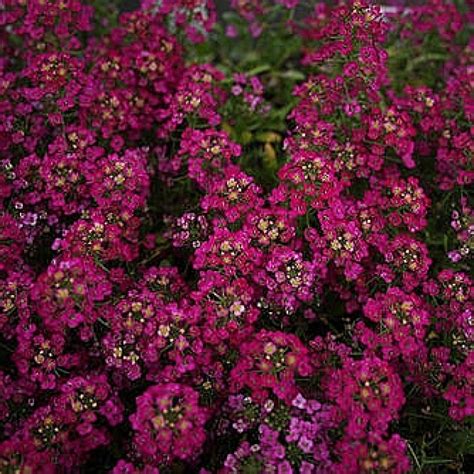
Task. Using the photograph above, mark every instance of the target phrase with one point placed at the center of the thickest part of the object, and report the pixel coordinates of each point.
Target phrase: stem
(413, 455)
(424, 59)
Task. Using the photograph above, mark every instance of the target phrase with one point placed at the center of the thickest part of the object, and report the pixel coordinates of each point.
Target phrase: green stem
(424, 59)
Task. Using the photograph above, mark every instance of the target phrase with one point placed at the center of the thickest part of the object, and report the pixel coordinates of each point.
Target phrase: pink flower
(169, 423)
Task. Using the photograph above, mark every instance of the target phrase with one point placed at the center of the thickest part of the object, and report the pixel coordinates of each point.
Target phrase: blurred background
(224, 5)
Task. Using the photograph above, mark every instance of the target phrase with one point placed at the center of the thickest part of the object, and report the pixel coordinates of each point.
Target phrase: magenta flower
(169, 423)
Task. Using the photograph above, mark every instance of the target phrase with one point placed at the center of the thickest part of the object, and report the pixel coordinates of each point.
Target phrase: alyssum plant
(236, 244)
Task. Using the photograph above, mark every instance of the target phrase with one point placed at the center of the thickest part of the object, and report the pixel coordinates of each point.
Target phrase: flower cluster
(169, 423)
(235, 248)
(271, 361)
(462, 224)
(290, 438)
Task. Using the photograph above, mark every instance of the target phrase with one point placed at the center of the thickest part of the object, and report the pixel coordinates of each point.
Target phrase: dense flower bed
(238, 244)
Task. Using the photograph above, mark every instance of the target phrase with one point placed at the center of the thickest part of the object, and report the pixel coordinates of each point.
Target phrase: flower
(169, 423)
